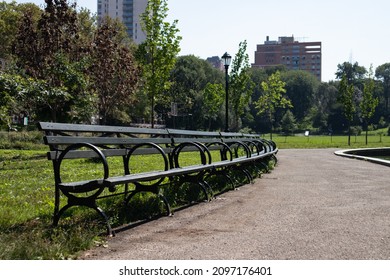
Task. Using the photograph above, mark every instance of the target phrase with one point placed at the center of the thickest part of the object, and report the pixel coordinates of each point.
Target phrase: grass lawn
(303, 142)
(27, 201)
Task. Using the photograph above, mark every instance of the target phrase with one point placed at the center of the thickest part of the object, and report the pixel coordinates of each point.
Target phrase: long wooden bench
(95, 144)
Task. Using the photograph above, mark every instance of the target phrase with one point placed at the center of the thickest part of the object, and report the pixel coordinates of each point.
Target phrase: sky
(350, 30)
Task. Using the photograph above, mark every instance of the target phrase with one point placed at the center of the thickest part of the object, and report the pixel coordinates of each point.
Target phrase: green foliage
(272, 97)
(382, 73)
(18, 96)
(190, 78)
(213, 99)
(301, 87)
(11, 15)
(56, 73)
(288, 123)
(7, 102)
(369, 102)
(240, 86)
(47, 51)
(346, 98)
(113, 71)
(352, 72)
(158, 52)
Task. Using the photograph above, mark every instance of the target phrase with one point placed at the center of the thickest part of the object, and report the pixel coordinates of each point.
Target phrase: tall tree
(369, 102)
(300, 89)
(11, 15)
(382, 73)
(272, 97)
(189, 78)
(7, 102)
(288, 123)
(354, 73)
(241, 85)
(113, 71)
(212, 101)
(47, 50)
(158, 52)
(346, 98)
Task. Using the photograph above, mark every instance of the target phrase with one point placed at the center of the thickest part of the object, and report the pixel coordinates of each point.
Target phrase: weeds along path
(314, 205)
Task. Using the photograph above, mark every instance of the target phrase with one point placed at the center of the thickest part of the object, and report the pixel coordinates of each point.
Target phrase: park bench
(97, 145)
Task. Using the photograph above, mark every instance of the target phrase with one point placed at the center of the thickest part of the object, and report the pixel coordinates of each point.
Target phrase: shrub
(20, 140)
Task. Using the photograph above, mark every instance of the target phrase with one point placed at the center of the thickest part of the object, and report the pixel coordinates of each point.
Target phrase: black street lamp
(226, 59)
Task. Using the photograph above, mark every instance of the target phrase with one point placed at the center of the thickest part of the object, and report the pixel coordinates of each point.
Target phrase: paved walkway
(314, 205)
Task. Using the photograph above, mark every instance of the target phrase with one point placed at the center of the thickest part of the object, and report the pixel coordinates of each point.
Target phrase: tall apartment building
(128, 11)
(290, 53)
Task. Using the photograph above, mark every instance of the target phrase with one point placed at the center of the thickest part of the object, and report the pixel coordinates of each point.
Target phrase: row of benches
(208, 154)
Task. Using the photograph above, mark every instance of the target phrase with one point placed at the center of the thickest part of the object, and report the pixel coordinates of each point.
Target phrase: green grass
(27, 198)
(302, 142)
(27, 203)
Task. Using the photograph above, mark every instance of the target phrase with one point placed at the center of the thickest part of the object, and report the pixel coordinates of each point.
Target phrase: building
(216, 62)
(128, 11)
(292, 54)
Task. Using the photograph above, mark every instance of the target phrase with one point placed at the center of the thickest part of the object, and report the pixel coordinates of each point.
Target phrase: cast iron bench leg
(74, 201)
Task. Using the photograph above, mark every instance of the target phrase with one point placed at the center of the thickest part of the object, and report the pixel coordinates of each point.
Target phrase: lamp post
(226, 59)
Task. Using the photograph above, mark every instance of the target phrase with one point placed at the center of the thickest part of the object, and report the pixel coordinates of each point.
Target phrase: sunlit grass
(314, 141)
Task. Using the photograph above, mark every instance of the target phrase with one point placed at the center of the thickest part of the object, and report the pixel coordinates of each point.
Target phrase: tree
(212, 101)
(324, 98)
(241, 85)
(353, 73)
(272, 97)
(7, 102)
(18, 97)
(300, 89)
(382, 73)
(113, 71)
(189, 79)
(11, 15)
(47, 51)
(346, 98)
(255, 121)
(288, 123)
(369, 102)
(158, 52)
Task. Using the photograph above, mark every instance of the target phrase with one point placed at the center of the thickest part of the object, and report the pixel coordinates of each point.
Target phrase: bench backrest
(117, 140)
(112, 140)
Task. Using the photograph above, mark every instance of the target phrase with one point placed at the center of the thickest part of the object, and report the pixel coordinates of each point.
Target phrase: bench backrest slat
(192, 133)
(68, 140)
(63, 127)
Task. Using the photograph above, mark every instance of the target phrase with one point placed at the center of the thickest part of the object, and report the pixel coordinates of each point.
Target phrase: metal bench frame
(78, 141)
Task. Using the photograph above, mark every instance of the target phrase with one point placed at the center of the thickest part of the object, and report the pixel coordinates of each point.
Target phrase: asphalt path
(313, 205)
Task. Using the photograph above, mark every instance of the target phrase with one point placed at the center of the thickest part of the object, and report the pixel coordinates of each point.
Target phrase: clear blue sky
(350, 30)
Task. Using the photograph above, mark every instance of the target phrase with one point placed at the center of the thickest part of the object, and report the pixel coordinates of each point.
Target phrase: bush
(20, 140)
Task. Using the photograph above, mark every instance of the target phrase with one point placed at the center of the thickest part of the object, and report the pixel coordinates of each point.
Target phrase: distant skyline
(350, 30)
